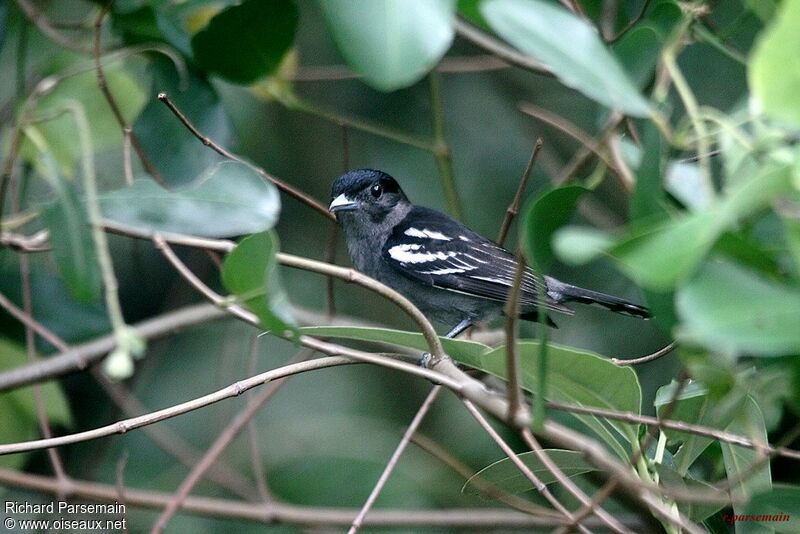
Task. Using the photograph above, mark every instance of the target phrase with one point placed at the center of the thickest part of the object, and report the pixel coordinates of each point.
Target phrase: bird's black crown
(355, 181)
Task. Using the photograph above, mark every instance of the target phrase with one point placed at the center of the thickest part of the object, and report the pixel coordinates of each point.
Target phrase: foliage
(670, 164)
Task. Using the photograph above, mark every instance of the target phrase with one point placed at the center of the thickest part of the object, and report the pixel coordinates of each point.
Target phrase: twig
(224, 439)
(441, 153)
(102, 83)
(390, 465)
(30, 347)
(524, 469)
(37, 18)
(282, 513)
(513, 209)
(256, 462)
(437, 451)
(606, 518)
(448, 65)
(570, 129)
(646, 359)
(280, 184)
(499, 49)
(511, 312)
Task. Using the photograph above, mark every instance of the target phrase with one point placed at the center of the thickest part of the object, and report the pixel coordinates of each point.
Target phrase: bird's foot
(425, 360)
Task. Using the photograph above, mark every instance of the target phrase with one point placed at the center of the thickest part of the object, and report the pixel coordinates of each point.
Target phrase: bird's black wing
(438, 251)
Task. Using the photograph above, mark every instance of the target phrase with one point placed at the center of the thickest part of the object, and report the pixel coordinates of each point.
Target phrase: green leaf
(774, 67)
(638, 51)
(580, 61)
(739, 461)
(648, 198)
(392, 43)
(456, 348)
(659, 258)
(505, 475)
(59, 132)
(174, 151)
(578, 378)
(245, 42)
(578, 245)
(250, 272)
(543, 217)
(73, 246)
(694, 510)
(791, 228)
(695, 405)
(18, 407)
(231, 199)
(734, 310)
(782, 504)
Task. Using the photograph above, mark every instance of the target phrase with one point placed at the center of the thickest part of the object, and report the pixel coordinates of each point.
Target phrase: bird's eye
(376, 190)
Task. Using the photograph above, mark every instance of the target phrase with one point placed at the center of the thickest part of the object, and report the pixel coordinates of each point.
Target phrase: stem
(444, 161)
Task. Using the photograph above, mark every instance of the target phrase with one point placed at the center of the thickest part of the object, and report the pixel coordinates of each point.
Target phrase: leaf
(456, 348)
(392, 43)
(638, 51)
(694, 405)
(739, 460)
(696, 511)
(648, 198)
(174, 151)
(59, 132)
(580, 61)
(231, 199)
(782, 503)
(543, 217)
(250, 272)
(73, 246)
(660, 257)
(578, 378)
(245, 42)
(505, 475)
(18, 407)
(734, 310)
(774, 67)
(578, 245)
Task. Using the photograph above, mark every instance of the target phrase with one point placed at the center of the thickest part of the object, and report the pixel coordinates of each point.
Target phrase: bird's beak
(342, 203)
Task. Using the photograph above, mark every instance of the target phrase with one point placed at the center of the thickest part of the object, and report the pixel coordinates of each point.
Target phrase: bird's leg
(462, 325)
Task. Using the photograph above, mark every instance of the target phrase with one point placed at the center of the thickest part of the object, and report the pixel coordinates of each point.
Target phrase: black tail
(569, 293)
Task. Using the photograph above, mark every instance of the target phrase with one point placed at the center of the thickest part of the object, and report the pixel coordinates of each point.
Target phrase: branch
(499, 49)
(513, 208)
(283, 513)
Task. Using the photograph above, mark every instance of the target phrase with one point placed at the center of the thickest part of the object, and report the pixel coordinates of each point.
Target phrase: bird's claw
(425, 360)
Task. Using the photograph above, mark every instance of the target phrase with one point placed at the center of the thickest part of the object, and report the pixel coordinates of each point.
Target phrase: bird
(452, 274)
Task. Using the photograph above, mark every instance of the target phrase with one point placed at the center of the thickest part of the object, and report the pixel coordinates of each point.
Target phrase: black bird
(452, 274)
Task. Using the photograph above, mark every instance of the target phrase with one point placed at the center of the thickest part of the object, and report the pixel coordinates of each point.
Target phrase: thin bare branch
(646, 359)
(498, 48)
(390, 465)
(513, 208)
(511, 311)
(38, 19)
(280, 184)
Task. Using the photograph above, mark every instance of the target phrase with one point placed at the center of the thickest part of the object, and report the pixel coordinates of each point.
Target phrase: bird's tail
(570, 293)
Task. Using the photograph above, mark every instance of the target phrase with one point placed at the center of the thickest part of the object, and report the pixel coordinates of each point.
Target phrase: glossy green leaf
(648, 198)
(580, 61)
(578, 245)
(505, 475)
(578, 378)
(782, 504)
(774, 67)
(392, 43)
(18, 407)
(250, 273)
(129, 90)
(543, 217)
(732, 309)
(245, 42)
(456, 348)
(739, 461)
(231, 199)
(174, 151)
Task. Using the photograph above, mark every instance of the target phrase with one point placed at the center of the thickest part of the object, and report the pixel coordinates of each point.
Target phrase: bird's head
(367, 194)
